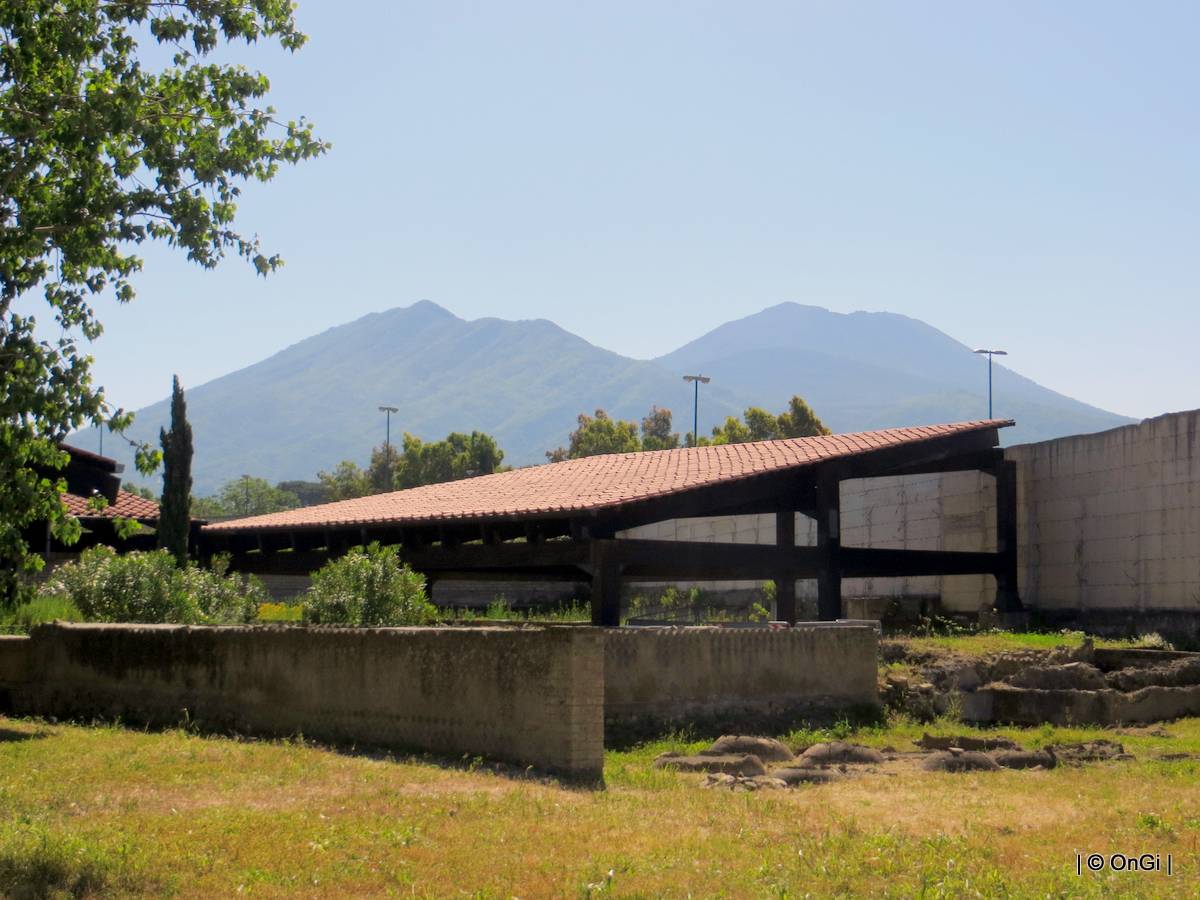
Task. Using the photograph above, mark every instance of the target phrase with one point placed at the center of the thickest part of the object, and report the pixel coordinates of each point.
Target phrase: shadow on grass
(12, 736)
(627, 734)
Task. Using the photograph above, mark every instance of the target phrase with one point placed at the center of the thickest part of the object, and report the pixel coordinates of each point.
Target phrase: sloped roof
(127, 506)
(594, 483)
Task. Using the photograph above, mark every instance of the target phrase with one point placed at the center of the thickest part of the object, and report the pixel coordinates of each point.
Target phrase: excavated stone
(1025, 759)
(966, 742)
(960, 761)
(766, 749)
(1074, 676)
(732, 763)
(1088, 751)
(840, 752)
(792, 776)
(1176, 673)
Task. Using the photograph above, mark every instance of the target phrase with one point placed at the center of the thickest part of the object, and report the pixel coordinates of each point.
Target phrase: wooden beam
(606, 583)
(972, 461)
(873, 562)
(829, 543)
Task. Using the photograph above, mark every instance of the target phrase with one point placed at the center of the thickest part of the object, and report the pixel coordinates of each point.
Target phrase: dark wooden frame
(582, 547)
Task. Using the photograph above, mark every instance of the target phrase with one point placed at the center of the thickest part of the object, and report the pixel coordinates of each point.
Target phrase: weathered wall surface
(1112, 520)
(530, 696)
(660, 676)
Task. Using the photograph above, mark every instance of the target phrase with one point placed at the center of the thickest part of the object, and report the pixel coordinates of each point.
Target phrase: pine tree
(174, 508)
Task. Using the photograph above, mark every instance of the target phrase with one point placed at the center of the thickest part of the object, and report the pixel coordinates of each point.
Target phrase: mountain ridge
(315, 402)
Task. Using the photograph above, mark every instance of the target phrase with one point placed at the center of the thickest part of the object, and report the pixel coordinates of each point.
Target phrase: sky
(1020, 175)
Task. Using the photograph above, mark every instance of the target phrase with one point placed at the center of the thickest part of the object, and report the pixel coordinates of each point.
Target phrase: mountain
(876, 370)
(315, 403)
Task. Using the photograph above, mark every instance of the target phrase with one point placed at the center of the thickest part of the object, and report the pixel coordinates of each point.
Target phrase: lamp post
(387, 441)
(990, 354)
(696, 381)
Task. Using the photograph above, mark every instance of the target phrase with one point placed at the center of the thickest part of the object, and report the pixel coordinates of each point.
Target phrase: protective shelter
(560, 521)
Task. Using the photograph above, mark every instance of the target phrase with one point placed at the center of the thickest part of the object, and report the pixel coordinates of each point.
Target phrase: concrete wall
(1111, 520)
(738, 677)
(530, 696)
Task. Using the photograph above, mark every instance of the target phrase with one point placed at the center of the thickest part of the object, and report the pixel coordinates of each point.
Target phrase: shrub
(368, 587)
(148, 587)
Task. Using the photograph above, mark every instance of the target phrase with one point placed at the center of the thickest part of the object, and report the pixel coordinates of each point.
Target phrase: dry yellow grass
(111, 811)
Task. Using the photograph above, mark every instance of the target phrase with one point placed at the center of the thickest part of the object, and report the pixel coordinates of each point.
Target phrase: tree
(597, 435)
(174, 522)
(656, 430)
(310, 493)
(101, 151)
(246, 496)
(345, 482)
(799, 420)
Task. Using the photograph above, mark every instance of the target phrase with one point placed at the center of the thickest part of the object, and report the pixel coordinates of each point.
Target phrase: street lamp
(990, 354)
(387, 441)
(696, 381)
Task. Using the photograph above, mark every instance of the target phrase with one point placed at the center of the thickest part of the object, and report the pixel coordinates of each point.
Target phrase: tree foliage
(102, 150)
(174, 509)
(656, 430)
(245, 496)
(756, 424)
(602, 434)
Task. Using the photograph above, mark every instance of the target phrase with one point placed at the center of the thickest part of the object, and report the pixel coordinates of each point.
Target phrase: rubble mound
(794, 775)
(960, 761)
(1025, 759)
(767, 749)
(729, 764)
(1089, 751)
(840, 753)
(966, 742)
(742, 782)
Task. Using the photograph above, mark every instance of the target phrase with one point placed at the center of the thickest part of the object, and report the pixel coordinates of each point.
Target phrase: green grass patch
(38, 610)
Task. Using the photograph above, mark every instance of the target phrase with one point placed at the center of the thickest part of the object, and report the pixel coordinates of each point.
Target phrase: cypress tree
(175, 507)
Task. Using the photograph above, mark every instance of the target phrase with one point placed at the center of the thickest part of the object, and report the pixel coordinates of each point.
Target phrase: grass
(36, 611)
(106, 811)
(984, 642)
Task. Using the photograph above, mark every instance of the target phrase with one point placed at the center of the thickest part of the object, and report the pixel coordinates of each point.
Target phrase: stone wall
(533, 696)
(529, 696)
(657, 678)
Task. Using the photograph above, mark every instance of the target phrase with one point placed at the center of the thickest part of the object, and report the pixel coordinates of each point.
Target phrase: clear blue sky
(1024, 175)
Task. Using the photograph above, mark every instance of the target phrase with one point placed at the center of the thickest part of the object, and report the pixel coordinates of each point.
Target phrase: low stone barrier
(532, 696)
(735, 678)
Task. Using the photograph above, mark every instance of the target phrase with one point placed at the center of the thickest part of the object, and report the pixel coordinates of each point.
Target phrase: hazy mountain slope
(870, 370)
(315, 403)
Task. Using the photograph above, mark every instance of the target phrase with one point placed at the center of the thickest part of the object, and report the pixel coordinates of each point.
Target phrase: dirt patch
(767, 749)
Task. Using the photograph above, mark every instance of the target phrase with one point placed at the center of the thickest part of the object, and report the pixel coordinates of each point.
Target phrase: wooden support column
(785, 581)
(606, 583)
(829, 545)
(1008, 600)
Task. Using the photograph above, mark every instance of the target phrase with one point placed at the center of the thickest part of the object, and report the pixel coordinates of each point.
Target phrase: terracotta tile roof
(593, 483)
(128, 506)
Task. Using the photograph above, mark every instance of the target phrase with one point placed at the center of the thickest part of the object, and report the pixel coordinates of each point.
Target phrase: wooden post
(1008, 600)
(829, 543)
(606, 583)
(785, 581)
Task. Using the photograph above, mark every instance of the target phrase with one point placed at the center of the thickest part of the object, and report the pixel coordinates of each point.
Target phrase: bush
(148, 587)
(368, 587)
